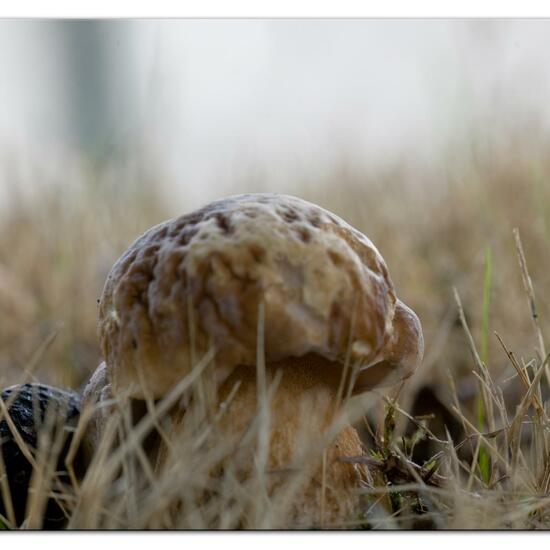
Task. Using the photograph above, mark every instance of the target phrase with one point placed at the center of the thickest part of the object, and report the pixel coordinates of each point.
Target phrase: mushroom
(324, 295)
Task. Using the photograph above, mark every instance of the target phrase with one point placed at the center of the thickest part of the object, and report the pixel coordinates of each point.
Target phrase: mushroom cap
(400, 356)
(198, 280)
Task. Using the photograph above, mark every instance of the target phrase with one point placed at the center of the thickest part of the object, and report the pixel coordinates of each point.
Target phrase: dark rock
(34, 407)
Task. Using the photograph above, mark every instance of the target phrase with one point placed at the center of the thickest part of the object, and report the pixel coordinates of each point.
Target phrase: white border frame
(276, 8)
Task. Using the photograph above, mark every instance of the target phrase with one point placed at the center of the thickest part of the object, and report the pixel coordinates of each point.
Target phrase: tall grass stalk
(483, 458)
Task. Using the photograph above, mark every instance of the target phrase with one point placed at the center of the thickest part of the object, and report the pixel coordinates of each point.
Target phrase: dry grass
(463, 444)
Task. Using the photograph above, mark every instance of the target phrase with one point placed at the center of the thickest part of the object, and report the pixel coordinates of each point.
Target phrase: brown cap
(201, 278)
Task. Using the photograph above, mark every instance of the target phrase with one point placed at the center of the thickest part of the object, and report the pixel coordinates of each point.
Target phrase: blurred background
(213, 101)
(431, 136)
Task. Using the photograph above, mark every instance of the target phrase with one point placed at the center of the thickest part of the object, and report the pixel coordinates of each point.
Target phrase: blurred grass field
(437, 230)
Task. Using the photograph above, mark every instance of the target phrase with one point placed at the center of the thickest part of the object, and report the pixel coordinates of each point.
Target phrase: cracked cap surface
(201, 278)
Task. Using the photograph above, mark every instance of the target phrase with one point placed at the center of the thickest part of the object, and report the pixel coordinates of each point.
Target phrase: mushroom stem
(301, 413)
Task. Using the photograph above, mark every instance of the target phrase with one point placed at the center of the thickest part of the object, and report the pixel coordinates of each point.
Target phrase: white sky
(216, 98)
